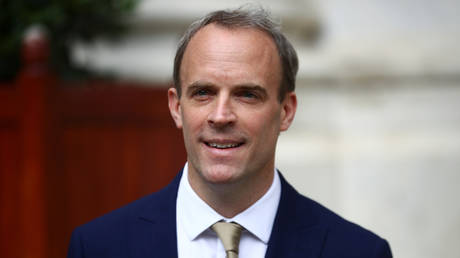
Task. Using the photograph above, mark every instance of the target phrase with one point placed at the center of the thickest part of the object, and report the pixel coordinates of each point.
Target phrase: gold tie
(229, 234)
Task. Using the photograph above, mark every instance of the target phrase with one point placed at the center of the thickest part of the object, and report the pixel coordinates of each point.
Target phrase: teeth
(223, 146)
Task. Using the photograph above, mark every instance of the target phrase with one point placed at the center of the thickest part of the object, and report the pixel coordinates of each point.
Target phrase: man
(234, 75)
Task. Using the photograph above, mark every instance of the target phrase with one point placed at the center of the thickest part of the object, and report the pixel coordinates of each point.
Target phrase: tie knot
(229, 234)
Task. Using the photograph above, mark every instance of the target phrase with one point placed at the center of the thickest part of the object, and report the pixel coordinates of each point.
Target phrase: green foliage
(66, 21)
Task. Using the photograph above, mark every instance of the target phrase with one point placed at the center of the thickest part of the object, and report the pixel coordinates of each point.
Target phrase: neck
(230, 199)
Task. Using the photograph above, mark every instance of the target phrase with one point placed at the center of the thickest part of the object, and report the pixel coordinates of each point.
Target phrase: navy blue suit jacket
(146, 228)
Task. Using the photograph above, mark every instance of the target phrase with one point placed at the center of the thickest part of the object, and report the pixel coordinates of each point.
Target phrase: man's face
(229, 109)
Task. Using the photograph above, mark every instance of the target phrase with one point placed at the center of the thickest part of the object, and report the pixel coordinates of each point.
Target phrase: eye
(201, 94)
(248, 96)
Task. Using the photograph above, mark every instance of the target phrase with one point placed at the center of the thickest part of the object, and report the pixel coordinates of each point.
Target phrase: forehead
(229, 50)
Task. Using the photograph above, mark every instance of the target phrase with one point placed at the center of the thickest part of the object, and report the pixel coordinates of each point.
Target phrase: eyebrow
(198, 85)
(253, 87)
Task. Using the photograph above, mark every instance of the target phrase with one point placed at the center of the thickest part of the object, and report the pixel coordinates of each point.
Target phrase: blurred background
(85, 129)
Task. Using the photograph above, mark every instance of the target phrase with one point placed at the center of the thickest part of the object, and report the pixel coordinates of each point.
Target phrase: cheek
(192, 120)
(264, 125)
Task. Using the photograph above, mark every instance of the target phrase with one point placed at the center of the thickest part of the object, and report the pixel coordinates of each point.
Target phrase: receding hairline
(268, 38)
(251, 17)
(275, 62)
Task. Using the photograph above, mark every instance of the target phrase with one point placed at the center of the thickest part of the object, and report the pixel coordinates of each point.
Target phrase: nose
(222, 113)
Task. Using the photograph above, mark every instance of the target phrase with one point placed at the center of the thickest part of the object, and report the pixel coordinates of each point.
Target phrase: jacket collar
(297, 231)
(159, 217)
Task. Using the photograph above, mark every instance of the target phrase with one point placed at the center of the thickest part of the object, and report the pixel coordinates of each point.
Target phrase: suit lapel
(296, 231)
(158, 223)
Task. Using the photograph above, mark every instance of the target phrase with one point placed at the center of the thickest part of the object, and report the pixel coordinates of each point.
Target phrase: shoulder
(342, 238)
(145, 208)
(113, 233)
(345, 238)
(118, 217)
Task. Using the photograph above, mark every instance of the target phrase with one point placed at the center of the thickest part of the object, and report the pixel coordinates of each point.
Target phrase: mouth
(223, 144)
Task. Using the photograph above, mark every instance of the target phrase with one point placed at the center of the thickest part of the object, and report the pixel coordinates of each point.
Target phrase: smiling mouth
(223, 145)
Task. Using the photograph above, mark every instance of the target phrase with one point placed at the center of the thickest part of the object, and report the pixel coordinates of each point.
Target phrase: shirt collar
(196, 216)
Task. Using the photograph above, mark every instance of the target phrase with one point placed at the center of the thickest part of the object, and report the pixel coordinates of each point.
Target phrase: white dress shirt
(194, 217)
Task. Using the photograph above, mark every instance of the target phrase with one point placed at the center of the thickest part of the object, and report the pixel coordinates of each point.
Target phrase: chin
(221, 174)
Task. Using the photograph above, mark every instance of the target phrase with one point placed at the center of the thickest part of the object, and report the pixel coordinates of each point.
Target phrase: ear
(288, 109)
(174, 107)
